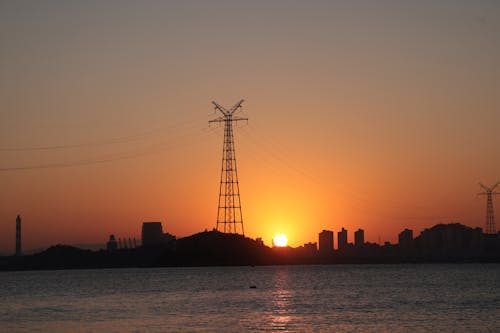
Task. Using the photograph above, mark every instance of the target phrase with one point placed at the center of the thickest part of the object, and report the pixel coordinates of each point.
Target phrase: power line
(149, 150)
(111, 141)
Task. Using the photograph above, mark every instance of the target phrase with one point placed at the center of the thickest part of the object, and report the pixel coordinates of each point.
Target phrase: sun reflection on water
(282, 312)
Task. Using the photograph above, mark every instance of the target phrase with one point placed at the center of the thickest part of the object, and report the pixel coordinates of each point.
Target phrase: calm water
(365, 298)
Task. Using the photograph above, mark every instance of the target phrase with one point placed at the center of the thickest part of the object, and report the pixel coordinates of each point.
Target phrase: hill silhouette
(216, 248)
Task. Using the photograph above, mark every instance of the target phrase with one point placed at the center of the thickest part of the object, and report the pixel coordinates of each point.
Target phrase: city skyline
(344, 238)
(452, 242)
(375, 116)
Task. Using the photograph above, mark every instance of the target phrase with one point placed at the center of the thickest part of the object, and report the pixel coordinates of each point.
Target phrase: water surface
(350, 298)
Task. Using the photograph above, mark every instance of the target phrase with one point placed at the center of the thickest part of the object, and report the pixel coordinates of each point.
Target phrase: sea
(329, 298)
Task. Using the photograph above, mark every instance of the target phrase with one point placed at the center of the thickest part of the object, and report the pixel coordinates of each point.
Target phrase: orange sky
(374, 115)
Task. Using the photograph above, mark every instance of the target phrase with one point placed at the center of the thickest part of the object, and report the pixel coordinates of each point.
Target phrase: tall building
(359, 237)
(325, 240)
(405, 239)
(18, 236)
(342, 239)
(152, 235)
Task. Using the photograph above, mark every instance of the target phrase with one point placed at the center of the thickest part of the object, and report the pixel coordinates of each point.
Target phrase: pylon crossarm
(236, 106)
(222, 119)
(238, 119)
(220, 108)
(489, 189)
(225, 111)
(217, 120)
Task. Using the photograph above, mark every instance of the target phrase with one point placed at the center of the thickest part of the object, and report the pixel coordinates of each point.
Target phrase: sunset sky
(378, 115)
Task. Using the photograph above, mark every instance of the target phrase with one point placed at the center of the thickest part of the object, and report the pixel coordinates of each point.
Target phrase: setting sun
(280, 240)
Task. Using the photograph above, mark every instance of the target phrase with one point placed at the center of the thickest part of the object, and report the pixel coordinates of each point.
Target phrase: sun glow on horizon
(280, 240)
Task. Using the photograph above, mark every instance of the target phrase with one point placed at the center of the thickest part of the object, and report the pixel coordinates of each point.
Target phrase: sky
(380, 115)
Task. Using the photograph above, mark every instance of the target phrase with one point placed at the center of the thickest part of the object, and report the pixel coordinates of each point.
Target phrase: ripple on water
(343, 298)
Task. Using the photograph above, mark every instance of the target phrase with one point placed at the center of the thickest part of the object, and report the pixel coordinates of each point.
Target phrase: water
(350, 298)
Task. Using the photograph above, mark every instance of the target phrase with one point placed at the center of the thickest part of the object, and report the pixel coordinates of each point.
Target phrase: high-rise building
(152, 234)
(18, 236)
(325, 240)
(359, 237)
(405, 239)
(342, 239)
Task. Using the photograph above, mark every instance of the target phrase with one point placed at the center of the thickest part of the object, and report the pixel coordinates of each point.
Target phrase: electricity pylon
(229, 215)
(490, 217)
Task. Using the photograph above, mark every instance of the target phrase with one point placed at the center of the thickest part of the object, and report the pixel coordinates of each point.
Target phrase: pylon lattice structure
(229, 216)
(490, 217)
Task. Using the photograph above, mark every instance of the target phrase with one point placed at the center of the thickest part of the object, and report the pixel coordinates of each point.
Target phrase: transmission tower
(229, 216)
(490, 217)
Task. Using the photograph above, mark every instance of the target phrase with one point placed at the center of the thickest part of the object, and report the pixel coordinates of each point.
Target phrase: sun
(280, 240)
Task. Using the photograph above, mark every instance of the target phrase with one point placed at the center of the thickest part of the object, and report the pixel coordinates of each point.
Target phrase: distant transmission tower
(490, 217)
(229, 215)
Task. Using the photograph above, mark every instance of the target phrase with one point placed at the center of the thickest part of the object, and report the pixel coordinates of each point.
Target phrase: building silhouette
(112, 244)
(406, 243)
(359, 238)
(405, 239)
(308, 250)
(311, 247)
(342, 239)
(441, 243)
(18, 236)
(325, 241)
(451, 241)
(152, 235)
